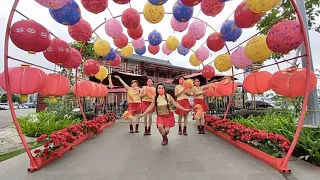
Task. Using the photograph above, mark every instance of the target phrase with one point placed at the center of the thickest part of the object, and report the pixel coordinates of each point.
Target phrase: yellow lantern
(172, 43)
(262, 6)
(257, 49)
(194, 61)
(127, 51)
(223, 62)
(102, 74)
(153, 14)
(101, 47)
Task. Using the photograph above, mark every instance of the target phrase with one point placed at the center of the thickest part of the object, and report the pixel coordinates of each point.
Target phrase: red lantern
(153, 49)
(91, 67)
(57, 85)
(191, 2)
(291, 82)
(74, 60)
(244, 17)
(212, 91)
(135, 33)
(116, 62)
(211, 7)
(121, 1)
(257, 82)
(97, 90)
(30, 36)
(58, 51)
(208, 72)
(226, 87)
(121, 41)
(24, 80)
(188, 41)
(104, 91)
(95, 6)
(84, 88)
(215, 42)
(81, 31)
(93, 89)
(130, 18)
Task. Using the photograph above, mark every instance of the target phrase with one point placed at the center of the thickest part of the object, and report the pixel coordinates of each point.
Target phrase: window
(123, 66)
(136, 69)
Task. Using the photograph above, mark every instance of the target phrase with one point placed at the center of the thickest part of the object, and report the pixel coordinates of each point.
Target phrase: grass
(12, 154)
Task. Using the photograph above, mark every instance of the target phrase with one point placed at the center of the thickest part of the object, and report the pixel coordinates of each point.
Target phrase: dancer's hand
(187, 110)
(116, 76)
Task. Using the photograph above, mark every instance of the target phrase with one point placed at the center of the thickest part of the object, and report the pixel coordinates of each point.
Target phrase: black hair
(134, 81)
(196, 79)
(150, 79)
(157, 94)
(181, 77)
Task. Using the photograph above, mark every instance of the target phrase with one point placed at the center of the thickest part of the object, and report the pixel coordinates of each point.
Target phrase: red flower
(46, 144)
(37, 151)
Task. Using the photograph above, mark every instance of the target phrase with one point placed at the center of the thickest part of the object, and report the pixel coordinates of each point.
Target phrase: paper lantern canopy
(181, 12)
(244, 17)
(188, 41)
(178, 26)
(202, 53)
(110, 56)
(127, 51)
(91, 67)
(30, 36)
(139, 43)
(257, 49)
(257, 82)
(230, 31)
(155, 38)
(58, 51)
(191, 2)
(182, 50)
(102, 74)
(172, 43)
(153, 49)
(81, 31)
(135, 33)
(74, 60)
(113, 28)
(121, 1)
(165, 50)
(157, 2)
(116, 61)
(207, 72)
(121, 41)
(52, 4)
(96, 6)
(83, 88)
(262, 6)
(130, 18)
(285, 36)
(211, 7)
(197, 29)
(101, 47)
(239, 59)
(57, 85)
(226, 87)
(223, 63)
(194, 61)
(140, 51)
(67, 15)
(153, 14)
(215, 42)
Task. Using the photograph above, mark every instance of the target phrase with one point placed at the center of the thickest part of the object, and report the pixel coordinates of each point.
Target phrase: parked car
(21, 106)
(4, 106)
(259, 105)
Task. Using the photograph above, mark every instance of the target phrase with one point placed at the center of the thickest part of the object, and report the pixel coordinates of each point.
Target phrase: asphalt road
(5, 116)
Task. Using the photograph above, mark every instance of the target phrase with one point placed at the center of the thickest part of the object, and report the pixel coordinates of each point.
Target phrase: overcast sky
(41, 15)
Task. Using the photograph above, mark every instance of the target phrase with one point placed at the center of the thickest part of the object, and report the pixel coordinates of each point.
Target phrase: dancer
(198, 97)
(182, 98)
(147, 94)
(134, 101)
(165, 117)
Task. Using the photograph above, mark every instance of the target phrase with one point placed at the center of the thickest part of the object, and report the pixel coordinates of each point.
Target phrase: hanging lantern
(291, 82)
(91, 67)
(96, 6)
(208, 72)
(97, 90)
(230, 31)
(153, 49)
(262, 6)
(135, 33)
(110, 56)
(239, 59)
(257, 49)
(257, 82)
(101, 47)
(140, 51)
(130, 18)
(84, 88)
(181, 12)
(24, 80)
(102, 74)
(202, 53)
(67, 15)
(74, 60)
(172, 43)
(211, 7)
(81, 31)
(165, 50)
(194, 61)
(113, 28)
(285, 36)
(139, 43)
(226, 87)
(182, 50)
(58, 52)
(121, 41)
(93, 89)
(191, 2)
(52, 4)
(121, 1)
(155, 38)
(57, 85)
(215, 42)
(157, 2)
(104, 91)
(30, 36)
(178, 26)
(127, 51)
(153, 14)
(223, 63)
(116, 61)
(197, 29)
(244, 17)
(188, 41)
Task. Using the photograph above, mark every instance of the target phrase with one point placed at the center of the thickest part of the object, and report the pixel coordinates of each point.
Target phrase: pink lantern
(113, 28)
(239, 59)
(188, 41)
(74, 60)
(52, 4)
(116, 62)
(139, 43)
(165, 50)
(81, 31)
(212, 7)
(179, 26)
(197, 29)
(202, 53)
(153, 49)
(121, 41)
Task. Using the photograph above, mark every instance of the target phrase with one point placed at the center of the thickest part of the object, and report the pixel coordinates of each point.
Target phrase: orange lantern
(84, 88)
(57, 85)
(226, 87)
(257, 82)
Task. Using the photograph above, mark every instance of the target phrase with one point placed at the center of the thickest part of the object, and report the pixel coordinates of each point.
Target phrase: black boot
(185, 131)
(131, 128)
(202, 128)
(164, 140)
(149, 130)
(199, 129)
(180, 130)
(137, 128)
(145, 131)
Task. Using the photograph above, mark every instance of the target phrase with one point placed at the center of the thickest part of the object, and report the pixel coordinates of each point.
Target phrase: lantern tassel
(24, 97)
(52, 99)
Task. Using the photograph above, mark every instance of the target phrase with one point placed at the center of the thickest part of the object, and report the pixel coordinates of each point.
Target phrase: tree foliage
(15, 98)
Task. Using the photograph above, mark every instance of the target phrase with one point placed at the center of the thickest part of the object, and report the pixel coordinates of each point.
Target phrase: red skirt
(134, 108)
(166, 120)
(203, 103)
(145, 105)
(185, 104)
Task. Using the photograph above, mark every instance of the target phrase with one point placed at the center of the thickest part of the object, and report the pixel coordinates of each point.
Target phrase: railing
(158, 79)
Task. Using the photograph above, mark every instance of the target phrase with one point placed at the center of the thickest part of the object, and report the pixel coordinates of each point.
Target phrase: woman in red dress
(147, 94)
(165, 117)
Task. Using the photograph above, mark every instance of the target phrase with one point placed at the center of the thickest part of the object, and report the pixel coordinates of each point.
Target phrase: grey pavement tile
(228, 176)
(194, 176)
(131, 176)
(190, 166)
(161, 175)
(135, 166)
(263, 176)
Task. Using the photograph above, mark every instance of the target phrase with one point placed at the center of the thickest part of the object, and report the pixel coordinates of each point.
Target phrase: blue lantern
(157, 2)
(110, 56)
(140, 51)
(69, 14)
(230, 31)
(182, 50)
(155, 38)
(224, 0)
(181, 12)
